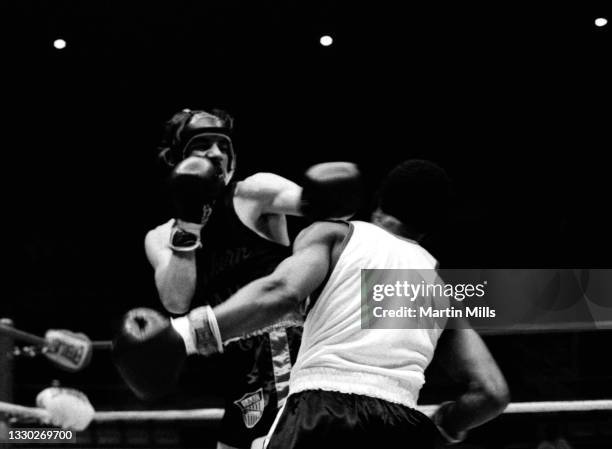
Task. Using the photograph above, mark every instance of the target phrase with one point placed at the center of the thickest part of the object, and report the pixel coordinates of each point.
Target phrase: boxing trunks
(327, 419)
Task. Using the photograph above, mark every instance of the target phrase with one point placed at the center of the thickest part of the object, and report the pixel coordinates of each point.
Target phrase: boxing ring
(538, 425)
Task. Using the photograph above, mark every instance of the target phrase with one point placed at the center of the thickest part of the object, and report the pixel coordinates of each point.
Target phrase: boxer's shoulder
(329, 233)
(162, 229)
(262, 186)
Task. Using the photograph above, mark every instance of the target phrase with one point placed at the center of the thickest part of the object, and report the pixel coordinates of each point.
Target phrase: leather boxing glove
(195, 183)
(331, 190)
(149, 353)
(149, 350)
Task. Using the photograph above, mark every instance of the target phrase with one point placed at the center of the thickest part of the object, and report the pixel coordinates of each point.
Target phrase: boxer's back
(337, 354)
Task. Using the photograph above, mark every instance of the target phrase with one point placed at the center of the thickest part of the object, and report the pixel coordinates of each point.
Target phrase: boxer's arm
(175, 272)
(272, 193)
(467, 359)
(264, 301)
(329, 190)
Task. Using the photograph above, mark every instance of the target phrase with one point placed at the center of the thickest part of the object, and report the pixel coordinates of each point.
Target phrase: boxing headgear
(188, 129)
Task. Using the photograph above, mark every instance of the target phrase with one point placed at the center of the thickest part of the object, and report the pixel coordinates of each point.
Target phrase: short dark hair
(417, 192)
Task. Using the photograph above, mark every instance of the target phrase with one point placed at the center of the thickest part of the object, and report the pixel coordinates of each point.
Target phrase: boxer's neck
(395, 226)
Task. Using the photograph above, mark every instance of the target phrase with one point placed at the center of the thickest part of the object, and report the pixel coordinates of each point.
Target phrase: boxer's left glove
(331, 190)
(194, 184)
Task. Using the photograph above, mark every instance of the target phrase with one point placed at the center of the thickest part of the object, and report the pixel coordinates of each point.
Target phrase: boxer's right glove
(148, 353)
(331, 190)
(149, 350)
(194, 184)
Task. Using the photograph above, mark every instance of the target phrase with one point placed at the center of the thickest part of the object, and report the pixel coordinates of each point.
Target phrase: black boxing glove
(149, 353)
(331, 190)
(194, 183)
(149, 350)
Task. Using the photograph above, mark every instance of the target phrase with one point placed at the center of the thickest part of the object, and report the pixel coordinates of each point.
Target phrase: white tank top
(336, 354)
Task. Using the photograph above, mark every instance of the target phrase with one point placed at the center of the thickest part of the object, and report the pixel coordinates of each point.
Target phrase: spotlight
(601, 21)
(326, 41)
(59, 44)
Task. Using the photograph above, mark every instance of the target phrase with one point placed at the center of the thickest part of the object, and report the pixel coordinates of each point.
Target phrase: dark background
(512, 98)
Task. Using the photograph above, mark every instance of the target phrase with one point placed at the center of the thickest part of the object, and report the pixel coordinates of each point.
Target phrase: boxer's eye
(223, 146)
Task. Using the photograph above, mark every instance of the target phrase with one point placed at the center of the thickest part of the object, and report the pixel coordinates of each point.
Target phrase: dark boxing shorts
(256, 383)
(325, 419)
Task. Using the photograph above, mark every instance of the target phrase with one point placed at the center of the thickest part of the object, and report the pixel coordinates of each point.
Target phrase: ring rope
(107, 344)
(40, 341)
(212, 414)
(545, 407)
(22, 335)
(25, 412)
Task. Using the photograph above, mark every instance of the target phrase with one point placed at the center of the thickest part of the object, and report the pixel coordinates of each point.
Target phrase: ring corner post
(6, 374)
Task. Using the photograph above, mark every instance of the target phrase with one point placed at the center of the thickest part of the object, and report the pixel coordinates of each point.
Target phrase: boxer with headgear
(350, 385)
(226, 234)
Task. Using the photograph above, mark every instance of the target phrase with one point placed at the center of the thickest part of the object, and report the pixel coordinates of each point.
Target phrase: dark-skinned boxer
(350, 386)
(226, 234)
